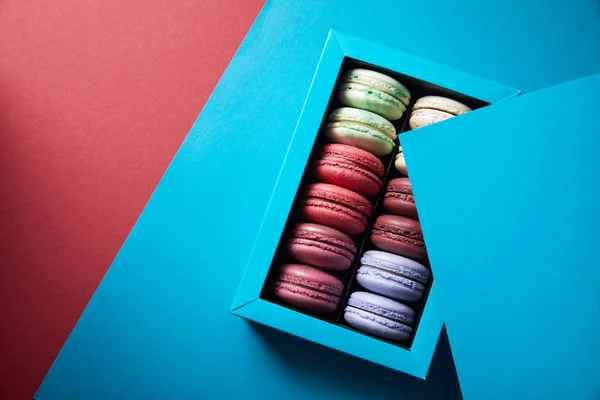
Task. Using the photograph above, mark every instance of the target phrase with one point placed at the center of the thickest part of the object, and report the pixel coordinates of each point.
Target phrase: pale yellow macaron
(432, 109)
(399, 162)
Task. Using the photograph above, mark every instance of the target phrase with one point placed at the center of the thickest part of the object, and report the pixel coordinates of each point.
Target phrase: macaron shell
(336, 207)
(399, 199)
(380, 81)
(362, 158)
(389, 284)
(334, 215)
(426, 116)
(311, 278)
(339, 172)
(383, 306)
(383, 82)
(364, 118)
(371, 99)
(308, 288)
(362, 137)
(321, 246)
(396, 264)
(377, 326)
(441, 103)
(379, 316)
(400, 163)
(305, 298)
(399, 235)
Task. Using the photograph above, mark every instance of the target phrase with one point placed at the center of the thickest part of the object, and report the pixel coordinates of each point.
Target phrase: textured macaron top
(323, 234)
(354, 155)
(356, 119)
(400, 226)
(341, 196)
(382, 306)
(400, 185)
(440, 103)
(379, 81)
(311, 278)
(396, 264)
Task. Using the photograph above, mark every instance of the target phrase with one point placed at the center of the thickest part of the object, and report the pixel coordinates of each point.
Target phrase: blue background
(159, 324)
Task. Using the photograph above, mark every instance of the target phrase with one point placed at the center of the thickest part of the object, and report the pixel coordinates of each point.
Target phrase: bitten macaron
(392, 275)
(379, 316)
(336, 207)
(362, 129)
(431, 109)
(399, 199)
(399, 235)
(349, 167)
(308, 288)
(321, 246)
(375, 92)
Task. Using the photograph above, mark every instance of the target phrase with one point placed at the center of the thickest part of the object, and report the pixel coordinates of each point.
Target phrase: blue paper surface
(521, 299)
(159, 326)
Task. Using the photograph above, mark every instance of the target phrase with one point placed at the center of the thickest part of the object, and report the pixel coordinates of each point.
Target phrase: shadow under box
(418, 89)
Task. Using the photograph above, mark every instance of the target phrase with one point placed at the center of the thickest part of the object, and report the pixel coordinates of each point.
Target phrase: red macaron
(321, 246)
(399, 235)
(336, 207)
(308, 288)
(349, 167)
(399, 199)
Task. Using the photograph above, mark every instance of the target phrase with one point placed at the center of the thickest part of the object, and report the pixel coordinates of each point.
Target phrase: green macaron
(362, 129)
(375, 92)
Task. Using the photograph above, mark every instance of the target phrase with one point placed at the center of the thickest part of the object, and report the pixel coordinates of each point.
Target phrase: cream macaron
(375, 92)
(400, 163)
(431, 109)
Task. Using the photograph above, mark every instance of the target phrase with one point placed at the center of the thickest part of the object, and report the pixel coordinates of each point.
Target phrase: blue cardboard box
(248, 303)
(508, 196)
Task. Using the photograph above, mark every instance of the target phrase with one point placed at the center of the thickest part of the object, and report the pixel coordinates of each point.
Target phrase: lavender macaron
(392, 275)
(379, 316)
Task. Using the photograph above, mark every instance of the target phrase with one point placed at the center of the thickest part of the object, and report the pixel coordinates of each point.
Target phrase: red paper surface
(95, 99)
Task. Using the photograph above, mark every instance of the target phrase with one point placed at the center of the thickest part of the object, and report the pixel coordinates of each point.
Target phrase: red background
(95, 99)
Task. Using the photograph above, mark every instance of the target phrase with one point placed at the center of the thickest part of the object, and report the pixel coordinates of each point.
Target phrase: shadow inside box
(360, 377)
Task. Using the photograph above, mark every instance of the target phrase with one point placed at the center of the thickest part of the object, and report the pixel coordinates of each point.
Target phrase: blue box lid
(508, 198)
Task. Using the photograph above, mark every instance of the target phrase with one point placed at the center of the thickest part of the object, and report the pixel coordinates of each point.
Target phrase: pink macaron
(349, 167)
(399, 235)
(336, 207)
(321, 246)
(399, 199)
(308, 288)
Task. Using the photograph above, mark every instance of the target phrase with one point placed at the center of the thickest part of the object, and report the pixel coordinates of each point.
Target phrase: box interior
(417, 88)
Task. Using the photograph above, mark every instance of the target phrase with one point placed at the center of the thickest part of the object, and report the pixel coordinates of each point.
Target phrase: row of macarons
(336, 207)
(389, 275)
(372, 100)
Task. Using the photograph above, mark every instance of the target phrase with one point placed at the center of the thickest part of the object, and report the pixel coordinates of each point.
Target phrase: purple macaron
(392, 275)
(379, 316)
